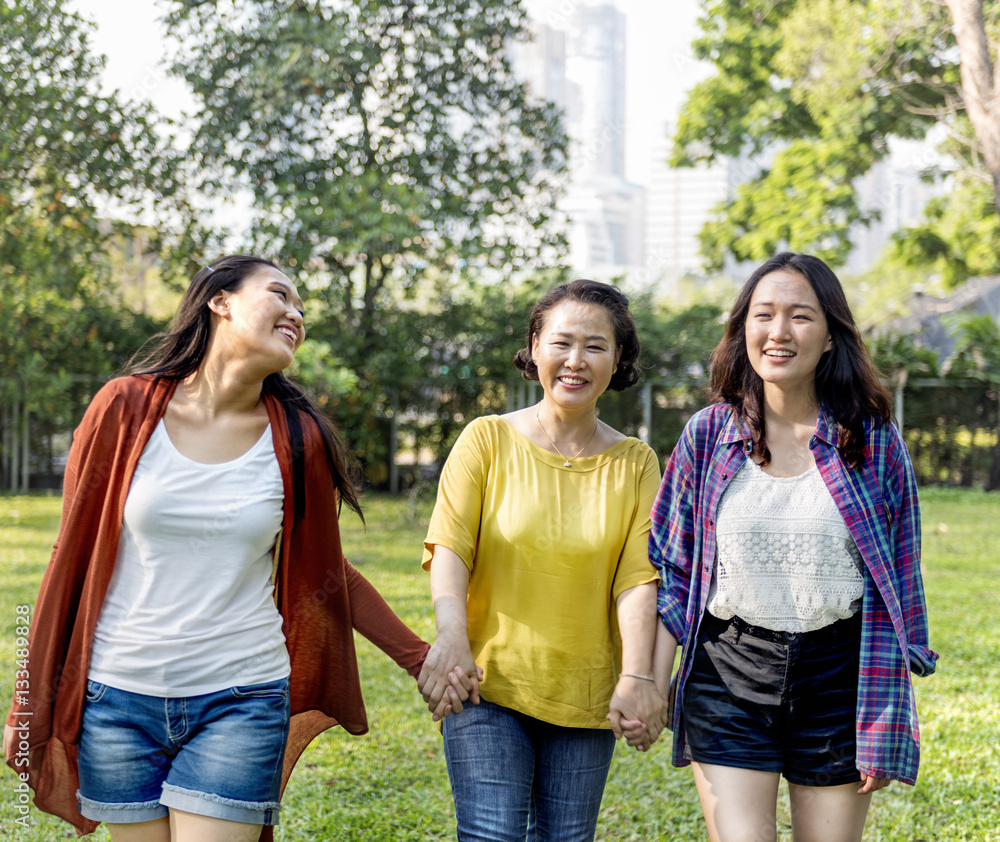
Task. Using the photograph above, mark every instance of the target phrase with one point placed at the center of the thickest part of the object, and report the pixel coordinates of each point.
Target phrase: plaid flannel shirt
(879, 504)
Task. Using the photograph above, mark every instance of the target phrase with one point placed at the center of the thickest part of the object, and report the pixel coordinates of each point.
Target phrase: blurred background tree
(811, 94)
(72, 161)
(385, 145)
(391, 161)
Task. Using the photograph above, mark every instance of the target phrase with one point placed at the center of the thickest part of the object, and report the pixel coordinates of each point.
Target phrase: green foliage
(958, 238)
(950, 406)
(378, 139)
(68, 154)
(386, 146)
(450, 360)
(817, 87)
(317, 369)
(882, 291)
(391, 784)
(977, 350)
(677, 347)
(895, 352)
(804, 201)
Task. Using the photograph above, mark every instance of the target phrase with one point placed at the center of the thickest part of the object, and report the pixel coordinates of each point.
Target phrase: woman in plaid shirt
(787, 535)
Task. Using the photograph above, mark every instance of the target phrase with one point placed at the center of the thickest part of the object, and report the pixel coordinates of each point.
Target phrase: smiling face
(262, 320)
(575, 353)
(786, 331)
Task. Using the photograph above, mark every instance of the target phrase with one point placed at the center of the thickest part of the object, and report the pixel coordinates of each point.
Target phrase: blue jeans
(509, 770)
(218, 754)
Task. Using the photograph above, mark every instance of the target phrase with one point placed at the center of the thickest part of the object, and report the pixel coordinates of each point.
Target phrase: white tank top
(786, 560)
(190, 608)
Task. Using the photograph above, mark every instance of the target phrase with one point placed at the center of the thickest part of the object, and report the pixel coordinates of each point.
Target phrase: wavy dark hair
(181, 350)
(615, 303)
(847, 381)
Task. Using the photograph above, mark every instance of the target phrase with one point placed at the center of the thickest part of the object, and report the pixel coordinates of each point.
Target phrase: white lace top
(785, 558)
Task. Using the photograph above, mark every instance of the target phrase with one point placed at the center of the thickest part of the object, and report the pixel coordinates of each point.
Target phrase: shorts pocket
(95, 691)
(268, 690)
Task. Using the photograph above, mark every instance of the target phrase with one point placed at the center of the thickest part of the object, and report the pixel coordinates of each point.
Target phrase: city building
(900, 195)
(605, 212)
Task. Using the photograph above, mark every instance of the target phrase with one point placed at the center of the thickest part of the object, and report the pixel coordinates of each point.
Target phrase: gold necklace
(567, 463)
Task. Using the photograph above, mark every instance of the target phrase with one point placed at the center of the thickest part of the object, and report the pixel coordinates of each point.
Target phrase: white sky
(659, 65)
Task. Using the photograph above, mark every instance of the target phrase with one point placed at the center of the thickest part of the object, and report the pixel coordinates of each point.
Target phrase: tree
(378, 139)
(980, 81)
(957, 238)
(977, 357)
(383, 144)
(68, 156)
(814, 89)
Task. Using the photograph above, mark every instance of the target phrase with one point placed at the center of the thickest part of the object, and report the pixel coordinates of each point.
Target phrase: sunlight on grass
(391, 784)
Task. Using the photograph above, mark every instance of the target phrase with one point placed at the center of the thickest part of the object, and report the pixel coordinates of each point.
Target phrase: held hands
(637, 712)
(449, 677)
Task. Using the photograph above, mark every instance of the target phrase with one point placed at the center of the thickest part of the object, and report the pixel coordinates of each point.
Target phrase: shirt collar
(737, 430)
(826, 429)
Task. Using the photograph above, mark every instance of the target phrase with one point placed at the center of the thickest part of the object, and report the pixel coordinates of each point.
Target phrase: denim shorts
(218, 754)
(775, 701)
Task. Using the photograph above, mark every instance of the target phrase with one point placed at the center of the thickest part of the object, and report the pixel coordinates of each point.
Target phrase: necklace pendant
(567, 464)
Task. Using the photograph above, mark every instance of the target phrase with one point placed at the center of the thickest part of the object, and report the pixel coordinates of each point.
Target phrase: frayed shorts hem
(217, 807)
(120, 813)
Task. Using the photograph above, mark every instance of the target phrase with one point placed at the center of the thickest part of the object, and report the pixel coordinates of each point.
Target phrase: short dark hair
(847, 381)
(614, 302)
(181, 350)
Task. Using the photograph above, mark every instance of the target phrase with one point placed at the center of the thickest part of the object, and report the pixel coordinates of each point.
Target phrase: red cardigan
(321, 597)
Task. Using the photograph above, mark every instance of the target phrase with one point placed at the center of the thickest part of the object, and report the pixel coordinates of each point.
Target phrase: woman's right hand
(449, 676)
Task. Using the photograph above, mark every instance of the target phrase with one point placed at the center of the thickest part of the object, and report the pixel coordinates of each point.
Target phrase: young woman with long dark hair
(787, 534)
(194, 628)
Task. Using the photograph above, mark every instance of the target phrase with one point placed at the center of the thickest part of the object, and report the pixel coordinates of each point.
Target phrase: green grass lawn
(391, 784)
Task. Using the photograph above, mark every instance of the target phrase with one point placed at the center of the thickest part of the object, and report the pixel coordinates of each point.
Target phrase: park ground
(391, 784)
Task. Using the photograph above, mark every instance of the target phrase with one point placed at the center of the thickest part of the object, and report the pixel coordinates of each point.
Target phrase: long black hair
(847, 381)
(180, 351)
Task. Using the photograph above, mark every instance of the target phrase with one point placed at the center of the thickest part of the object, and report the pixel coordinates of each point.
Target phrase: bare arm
(450, 660)
(664, 654)
(636, 701)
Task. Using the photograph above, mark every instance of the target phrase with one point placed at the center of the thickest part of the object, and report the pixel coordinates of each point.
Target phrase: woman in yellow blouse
(543, 592)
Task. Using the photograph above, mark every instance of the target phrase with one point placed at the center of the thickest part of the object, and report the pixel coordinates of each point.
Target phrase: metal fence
(950, 427)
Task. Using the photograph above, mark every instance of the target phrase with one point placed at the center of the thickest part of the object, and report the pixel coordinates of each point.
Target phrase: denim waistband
(741, 626)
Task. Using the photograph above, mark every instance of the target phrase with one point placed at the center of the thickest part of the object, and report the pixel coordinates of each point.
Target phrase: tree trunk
(981, 94)
(980, 83)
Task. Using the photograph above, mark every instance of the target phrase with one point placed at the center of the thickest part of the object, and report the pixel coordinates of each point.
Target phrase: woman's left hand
(637, 712)
(869, 783)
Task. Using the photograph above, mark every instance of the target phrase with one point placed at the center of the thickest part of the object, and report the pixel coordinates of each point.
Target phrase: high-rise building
(541, 62)
(899, 194)
(595, 108)
(679, 201)
(606, 229)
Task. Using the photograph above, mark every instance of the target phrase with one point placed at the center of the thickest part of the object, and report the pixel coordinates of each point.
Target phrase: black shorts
(775, 701)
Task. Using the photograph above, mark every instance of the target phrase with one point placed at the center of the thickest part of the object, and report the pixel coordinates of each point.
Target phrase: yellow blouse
(550, 550)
